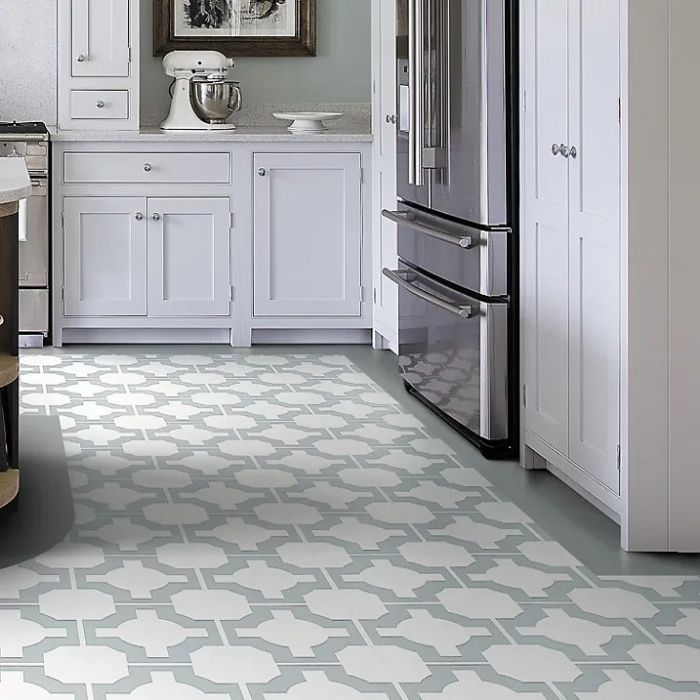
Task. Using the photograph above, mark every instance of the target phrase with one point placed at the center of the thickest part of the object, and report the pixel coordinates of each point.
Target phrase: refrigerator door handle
(397, 276)
(416, 67)
(403, 218)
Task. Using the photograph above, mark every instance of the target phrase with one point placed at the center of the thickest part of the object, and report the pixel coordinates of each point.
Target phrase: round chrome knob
(2, 320)
(262, 172)
(556, 149)
(156, 217)
(81, 58)
(139, 216)
(147, 167)
(100, 105)
(574, 152)
(390, 119)
(565, 151)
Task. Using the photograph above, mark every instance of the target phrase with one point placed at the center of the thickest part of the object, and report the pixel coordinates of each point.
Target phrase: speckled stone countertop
(14, 180)
(242, 134)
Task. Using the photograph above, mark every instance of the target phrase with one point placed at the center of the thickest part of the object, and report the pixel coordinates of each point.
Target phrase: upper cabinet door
(100, 38)
(307, 234)
(545, 219)
(189, 257)
(594, 127)
(104, 256)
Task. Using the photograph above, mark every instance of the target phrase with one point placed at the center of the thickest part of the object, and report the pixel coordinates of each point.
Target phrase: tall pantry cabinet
(571, 194)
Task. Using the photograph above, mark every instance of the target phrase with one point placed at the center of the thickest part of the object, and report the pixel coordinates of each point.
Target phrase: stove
(30, 141)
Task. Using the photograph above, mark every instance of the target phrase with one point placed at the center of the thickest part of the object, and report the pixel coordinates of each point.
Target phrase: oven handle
(404, 219)
(465, 312)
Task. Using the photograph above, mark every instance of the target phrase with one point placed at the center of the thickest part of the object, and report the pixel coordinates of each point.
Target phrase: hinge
(374, 295)
(63, 222)
(524, 395)
(619, 111)
(362, 175)
(232, 220)
(619, 458)
(362, 294)
(524, 100)
(130, 54)
(63, 293)
(232, 293)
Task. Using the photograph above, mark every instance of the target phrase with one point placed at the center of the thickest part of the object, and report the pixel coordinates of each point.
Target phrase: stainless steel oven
(30, 140)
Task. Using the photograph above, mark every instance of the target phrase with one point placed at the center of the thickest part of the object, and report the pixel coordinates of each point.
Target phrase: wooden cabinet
(188, 257)
(98, 68)
(156, 257)
(571, 239)
(104, 256)
(385, 254)
(307, 234)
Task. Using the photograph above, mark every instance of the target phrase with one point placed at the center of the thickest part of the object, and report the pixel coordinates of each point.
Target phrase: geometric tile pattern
(276, 527)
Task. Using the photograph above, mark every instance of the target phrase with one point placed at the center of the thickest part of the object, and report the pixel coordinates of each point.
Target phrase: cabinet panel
(595, 238)
(100, 38)
(104, 256)
(307, 234)
(545, 221)
(189, 253)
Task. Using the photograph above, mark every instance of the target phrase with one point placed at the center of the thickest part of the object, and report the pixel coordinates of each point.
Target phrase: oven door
(34, 238)
(453, 352)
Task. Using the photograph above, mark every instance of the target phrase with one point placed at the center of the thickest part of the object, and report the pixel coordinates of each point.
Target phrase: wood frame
(303, 44)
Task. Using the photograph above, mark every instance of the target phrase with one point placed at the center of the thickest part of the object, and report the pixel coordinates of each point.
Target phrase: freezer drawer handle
(465, 312)
(403, 219)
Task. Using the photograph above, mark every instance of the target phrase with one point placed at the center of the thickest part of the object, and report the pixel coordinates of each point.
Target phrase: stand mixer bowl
(214, 100)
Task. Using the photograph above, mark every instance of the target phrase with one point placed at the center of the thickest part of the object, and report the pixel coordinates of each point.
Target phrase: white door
(594, 271)
(385, 254)
(545, 247)
(189, 257)
(104, 256)
(308, 234)
(100, 38)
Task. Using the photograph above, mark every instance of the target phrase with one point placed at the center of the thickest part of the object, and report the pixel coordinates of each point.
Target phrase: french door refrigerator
(457, 215)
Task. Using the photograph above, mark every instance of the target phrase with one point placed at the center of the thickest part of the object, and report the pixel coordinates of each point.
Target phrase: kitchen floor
(287, 525)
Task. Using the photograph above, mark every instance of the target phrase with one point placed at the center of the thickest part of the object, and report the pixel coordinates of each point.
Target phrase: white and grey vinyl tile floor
(278, 526)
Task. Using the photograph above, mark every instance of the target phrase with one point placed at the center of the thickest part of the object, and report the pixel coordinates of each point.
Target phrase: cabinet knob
(556, 149)
(139, 216)
(81, 58)
(565, 151)
(391, 119)
(574, 152)
(156, 217)
(147, 168)
(262, 172)
(100, 104)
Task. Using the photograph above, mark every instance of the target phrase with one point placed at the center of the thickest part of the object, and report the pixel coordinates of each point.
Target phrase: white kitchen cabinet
(571, 142)
(104, 256)
(99, 38)
(98, 66)
(385, 293)
(188, 257)
(307, 235)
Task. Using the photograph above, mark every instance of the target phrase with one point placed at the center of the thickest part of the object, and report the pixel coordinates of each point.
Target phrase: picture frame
(235, 27)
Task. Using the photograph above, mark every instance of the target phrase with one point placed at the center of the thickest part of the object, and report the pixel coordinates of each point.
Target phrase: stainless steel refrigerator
(457, 215)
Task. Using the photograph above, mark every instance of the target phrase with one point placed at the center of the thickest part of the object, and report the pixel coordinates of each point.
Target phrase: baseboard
(315, 336)
(146, 336)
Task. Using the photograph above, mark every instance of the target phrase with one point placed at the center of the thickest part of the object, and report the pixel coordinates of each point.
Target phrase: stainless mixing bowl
(214, 101)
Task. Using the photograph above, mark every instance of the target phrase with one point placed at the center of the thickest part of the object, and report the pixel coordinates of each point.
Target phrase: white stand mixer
(185, 67)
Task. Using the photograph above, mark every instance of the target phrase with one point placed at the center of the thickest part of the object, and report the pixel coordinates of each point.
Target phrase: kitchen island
(14, 187)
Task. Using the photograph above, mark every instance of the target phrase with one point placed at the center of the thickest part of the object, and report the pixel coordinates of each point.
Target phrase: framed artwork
(235, 27)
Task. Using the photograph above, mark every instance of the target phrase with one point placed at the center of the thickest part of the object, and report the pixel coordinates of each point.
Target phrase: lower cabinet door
(104, 256)
(189, 257)
(308, 234)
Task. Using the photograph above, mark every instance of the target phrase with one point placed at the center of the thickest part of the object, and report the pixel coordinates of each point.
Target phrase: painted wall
(28, 60)
(341, 71)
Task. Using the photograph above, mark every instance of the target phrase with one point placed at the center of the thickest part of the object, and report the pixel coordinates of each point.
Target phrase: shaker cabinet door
(307, 234)
(100, 41)
(189, 257)
(104, 256)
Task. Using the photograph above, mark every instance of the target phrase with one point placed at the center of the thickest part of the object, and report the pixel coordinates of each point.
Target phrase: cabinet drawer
(99, 104)
(183, 168)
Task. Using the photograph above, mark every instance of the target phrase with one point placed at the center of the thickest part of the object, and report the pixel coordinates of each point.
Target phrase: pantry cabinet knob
(81, 58)
(139, 216)
(262, 172)
(156, 217)
(147, 167)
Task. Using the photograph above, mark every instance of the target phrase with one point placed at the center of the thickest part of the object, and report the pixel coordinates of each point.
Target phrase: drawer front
(183, 168)
(99, 104)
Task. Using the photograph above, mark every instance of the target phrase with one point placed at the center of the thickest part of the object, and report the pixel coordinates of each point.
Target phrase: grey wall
(28, 60)
(341, 71)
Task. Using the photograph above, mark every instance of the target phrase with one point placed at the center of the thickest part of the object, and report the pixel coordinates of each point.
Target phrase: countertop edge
(14, 180)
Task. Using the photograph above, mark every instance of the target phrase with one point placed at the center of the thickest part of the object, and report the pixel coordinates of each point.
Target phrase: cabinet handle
(81, 58)
(156, 217)
(139, 216)
(147, 168)
(100, 105)
(262, 172)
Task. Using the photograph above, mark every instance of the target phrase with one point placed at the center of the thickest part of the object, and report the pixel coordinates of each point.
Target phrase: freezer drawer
(453, 352)
(468, 257)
